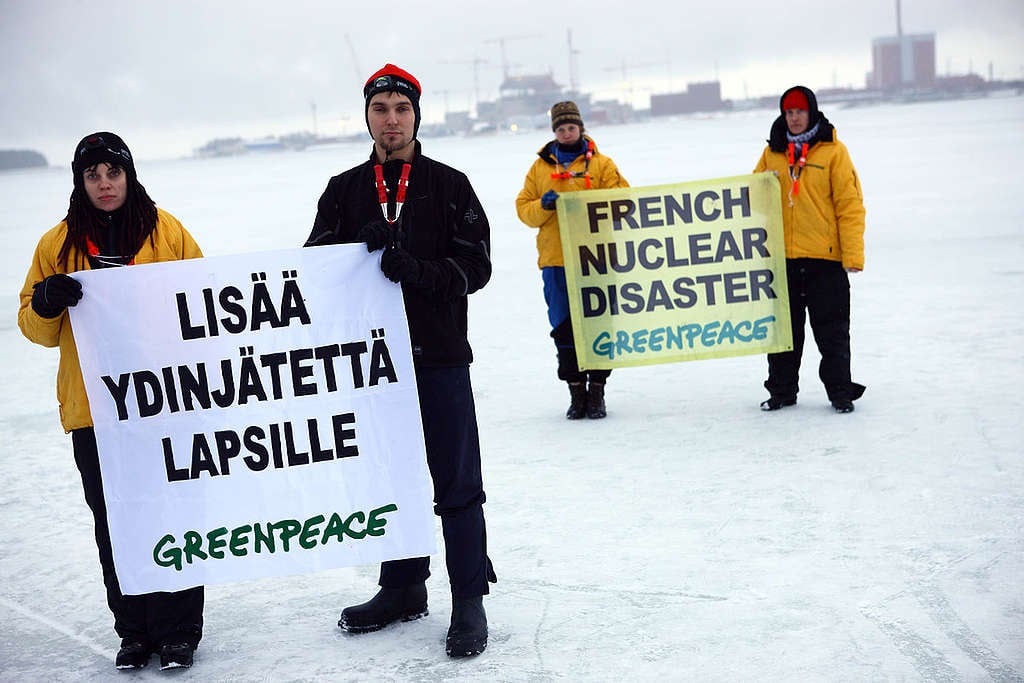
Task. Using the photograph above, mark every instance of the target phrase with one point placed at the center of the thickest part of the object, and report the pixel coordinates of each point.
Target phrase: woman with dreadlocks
(111, 222)
(568, 163)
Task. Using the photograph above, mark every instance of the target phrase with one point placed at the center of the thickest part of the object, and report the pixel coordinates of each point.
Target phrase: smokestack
(899, 22)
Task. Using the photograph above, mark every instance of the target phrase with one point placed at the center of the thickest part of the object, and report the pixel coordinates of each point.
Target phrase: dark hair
(85, 220)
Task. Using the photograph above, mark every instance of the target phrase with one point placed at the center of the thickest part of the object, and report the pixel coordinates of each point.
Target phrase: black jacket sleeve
(327, 224)
(466, 266)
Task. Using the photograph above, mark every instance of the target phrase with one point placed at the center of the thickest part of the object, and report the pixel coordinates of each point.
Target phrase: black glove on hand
(54, 294)
(398, 265)
(376, 234)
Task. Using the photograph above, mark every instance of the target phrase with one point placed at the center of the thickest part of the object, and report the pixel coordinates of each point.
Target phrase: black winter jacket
(443, 225)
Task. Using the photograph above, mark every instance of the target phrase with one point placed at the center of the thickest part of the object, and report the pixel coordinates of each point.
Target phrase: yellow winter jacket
(826, 218)
(170, 242)
(604, 174)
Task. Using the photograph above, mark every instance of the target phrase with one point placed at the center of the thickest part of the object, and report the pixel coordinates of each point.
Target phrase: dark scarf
(566, 154)
(107, 243)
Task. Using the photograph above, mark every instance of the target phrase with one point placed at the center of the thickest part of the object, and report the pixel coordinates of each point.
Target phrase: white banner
(256, 415)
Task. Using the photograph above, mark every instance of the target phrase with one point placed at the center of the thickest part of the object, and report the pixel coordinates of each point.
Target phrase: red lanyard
(796, 167)
(94, 251)
(382, 191)
(565, 175)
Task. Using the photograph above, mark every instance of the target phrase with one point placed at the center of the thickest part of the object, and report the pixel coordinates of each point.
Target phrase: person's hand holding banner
(376, 234)
(399, 266)
(547, 201)
(55, 293)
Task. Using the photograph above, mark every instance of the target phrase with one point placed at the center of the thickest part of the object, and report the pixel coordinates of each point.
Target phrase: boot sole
(129, 666)
(175, 665)
(768, 407)
(135, 660)
(370, 628)
(466, 650)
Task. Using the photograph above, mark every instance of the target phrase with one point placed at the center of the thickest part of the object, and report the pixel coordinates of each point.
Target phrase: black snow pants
(818, 289)
(153, 618)
(453, 458)
(568, 366)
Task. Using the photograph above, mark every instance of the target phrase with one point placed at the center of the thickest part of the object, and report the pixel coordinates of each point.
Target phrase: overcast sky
(168, 75)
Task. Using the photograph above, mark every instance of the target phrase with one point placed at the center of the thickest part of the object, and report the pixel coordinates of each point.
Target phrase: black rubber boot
(134, 654)
(778, 402)
(578, 401)
(176, 655)
(467, 635)
(386, 607)
(843, 406)
(595, 401)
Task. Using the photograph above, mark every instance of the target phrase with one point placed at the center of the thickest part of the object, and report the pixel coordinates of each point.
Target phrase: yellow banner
(677, 272)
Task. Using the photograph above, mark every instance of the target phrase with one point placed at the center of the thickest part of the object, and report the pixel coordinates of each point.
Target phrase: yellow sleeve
(762, 163)
(190, 248)
(43, 331)
(528, 202)
(610, 176)
(848, 200)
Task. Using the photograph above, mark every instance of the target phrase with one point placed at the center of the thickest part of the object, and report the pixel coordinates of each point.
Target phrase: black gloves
(54, 294)
(376, 234)
(547, 201)
(398, 265)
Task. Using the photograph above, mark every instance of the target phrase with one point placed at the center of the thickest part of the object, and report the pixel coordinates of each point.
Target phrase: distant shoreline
(15, 159)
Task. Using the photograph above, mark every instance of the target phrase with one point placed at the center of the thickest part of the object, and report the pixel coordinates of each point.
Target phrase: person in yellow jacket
(111, 221)
(823, 222)
(568, 163)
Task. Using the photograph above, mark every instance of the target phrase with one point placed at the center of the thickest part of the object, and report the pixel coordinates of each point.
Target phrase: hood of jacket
(777, 136)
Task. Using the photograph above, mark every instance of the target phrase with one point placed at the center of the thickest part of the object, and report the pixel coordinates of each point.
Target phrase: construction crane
(504, 57)
(476, 62)
(625, 68)
(573, 66)
(355, 60)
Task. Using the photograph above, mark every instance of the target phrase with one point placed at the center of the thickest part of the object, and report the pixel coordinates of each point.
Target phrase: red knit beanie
(394, 79)
(391, 78)
(795, 99)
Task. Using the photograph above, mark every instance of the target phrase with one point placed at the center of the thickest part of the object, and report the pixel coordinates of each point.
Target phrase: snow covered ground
(688, 536)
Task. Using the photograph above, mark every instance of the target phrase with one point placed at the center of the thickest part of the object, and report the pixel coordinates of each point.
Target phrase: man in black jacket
(435, 239)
